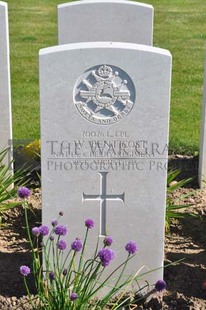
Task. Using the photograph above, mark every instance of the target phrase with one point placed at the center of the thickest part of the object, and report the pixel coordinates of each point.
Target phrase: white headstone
(5, 91)
(105, 20)
(104, 135)
(202, 152)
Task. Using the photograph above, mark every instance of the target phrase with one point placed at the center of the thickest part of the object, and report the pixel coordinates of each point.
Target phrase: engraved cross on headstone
(103, 198)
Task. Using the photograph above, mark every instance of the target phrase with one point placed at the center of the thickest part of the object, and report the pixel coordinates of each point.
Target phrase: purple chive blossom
(106, 255)
(23, 192)
(73, 296)
(25, 270)
(61, 213)
(61, 245)
(35, 231)
(108, 241)
(44, 230)
(51, 238)
(64, 272)
(89, 223)
(76, 245)
(54, 223)
(60, 230)
(131, 247)
(160, 285)
(51, 275)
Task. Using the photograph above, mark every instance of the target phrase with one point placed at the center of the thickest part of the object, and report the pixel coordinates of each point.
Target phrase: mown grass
(179, 26)
(33, 25)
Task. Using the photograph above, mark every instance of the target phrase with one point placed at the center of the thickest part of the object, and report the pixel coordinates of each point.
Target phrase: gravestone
(105, 20)
(202, 152)
(5, 91)
(104, 135)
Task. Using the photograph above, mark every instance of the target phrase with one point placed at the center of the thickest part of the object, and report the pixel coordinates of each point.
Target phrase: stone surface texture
(5, 91)
(105, 20)
(104, 134)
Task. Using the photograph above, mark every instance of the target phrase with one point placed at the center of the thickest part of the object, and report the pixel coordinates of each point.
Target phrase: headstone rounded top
(106, 1)
(4, 4)
(92, 45)
(105, 20)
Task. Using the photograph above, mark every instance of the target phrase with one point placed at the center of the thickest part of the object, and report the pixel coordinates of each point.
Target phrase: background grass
(179, 26)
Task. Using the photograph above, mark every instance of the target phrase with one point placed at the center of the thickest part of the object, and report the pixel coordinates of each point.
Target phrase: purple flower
(160, 285)
(54, 223)
(51, 238)
(51, 275)
(89, 223)
(131, 247)
(60, 230)
(61, 213)
(106, 255)
(44, 230)
(76, 245)
(25, 270)
(23, 192)
(64, 272)
(61, 245)
(73, 296)
(35, 231)
(108, 241)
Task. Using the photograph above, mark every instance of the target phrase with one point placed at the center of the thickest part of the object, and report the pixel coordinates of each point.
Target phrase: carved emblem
(104, 95)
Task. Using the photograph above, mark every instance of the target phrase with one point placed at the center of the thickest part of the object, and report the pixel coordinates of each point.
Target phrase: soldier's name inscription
(96, 148)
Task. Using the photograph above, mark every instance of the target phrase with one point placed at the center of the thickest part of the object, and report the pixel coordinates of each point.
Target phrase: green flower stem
(35, 258)
(87, 276)
(123, 269)
(68, 276)
(50, 247)
(83, 249)
(25, 206)
(105, 281)
(90, 280)
(117, 287)
(81, 259)
(91, 262)
(57, 254)
(65, 260)
(120, 276)
(28, 291)
(53, 252)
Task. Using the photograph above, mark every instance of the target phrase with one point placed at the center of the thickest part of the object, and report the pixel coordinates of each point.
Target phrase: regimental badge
(104, 94)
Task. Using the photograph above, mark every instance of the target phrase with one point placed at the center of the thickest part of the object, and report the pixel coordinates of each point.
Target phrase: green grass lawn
(179, 26)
